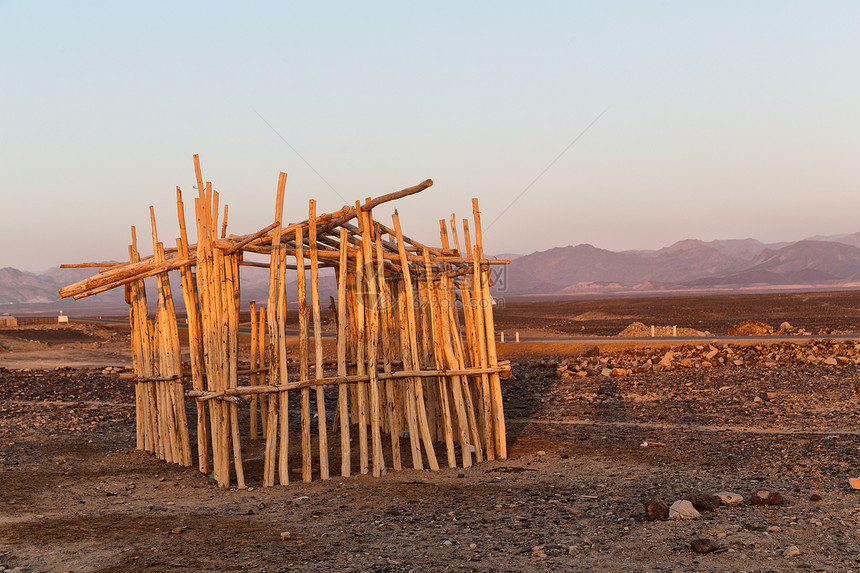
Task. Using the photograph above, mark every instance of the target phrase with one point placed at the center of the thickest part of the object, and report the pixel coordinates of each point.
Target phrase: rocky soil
(599, 442)
(587, 454)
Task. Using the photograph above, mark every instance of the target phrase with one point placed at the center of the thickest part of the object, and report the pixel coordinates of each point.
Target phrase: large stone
(683, 509)
(704, 545)
(656, 509)
(704, 502)
(729, 499)
(767, 497)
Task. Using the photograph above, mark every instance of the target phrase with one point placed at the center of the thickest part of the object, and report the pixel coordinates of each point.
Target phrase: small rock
(704, 545)
(683, 509)
(791, 551)
(704, 502)
(591, 351)
(830, 361)
(285, 535)
(854, 483)
(217, 540)
(656, 509)
(767, 497)
(541, 453)
(606, 372)
(815, 497)
(729, 499)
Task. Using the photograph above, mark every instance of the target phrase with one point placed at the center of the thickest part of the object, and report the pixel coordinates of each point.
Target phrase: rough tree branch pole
(414, 371)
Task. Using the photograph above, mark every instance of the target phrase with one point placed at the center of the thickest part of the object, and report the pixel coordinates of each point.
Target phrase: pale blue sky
(722, 119)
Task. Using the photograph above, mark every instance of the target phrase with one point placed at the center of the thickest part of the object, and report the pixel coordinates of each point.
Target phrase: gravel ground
(76, 496)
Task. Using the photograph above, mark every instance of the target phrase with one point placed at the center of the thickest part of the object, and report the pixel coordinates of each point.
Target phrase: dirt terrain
(76, 496)
(813, 311)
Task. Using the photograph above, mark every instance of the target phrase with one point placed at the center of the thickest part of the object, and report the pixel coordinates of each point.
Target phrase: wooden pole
(343, 400)
(195, 338)
(413, 344)
(274, 355)
(303, 357)
(318, 347)
(372, 342)
(283, 399)
(391, 402)
(361, 365)
(495, 383)
(255, 377)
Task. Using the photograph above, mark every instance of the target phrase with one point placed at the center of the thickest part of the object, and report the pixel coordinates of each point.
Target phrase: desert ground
(75, 495)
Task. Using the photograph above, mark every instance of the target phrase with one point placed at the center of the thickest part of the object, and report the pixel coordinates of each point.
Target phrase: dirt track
(76, 496)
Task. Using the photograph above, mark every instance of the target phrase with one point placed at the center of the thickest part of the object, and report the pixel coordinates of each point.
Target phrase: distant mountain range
(688, 266)
(25, 293)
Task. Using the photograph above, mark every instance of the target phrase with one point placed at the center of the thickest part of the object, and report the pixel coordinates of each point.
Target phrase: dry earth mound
(750, 328)
(637, 329)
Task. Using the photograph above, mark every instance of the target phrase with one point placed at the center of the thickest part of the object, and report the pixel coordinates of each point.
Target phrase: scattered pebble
(791, 551)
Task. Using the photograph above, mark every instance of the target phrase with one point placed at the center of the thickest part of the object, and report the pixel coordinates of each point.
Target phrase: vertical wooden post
(417, 384)
(283, 398)
(255, 377)
(274, 349)
(303, 355)
(261, 356)
(432, 304)
(481, 337)
(391, 402)
(195, 338)
(495, 383)
(343, 401)
(318, 347)
(361, 365)
(372, 342)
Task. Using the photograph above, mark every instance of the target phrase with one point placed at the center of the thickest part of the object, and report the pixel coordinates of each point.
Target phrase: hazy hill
(687, 266)
(23, 287)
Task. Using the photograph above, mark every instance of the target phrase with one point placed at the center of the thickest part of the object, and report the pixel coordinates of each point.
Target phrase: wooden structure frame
(415, 346)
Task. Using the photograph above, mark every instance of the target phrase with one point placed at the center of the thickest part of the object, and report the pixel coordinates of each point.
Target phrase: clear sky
(719, 119)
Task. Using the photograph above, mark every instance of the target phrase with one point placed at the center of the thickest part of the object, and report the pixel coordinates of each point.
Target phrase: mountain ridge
(688, 265)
